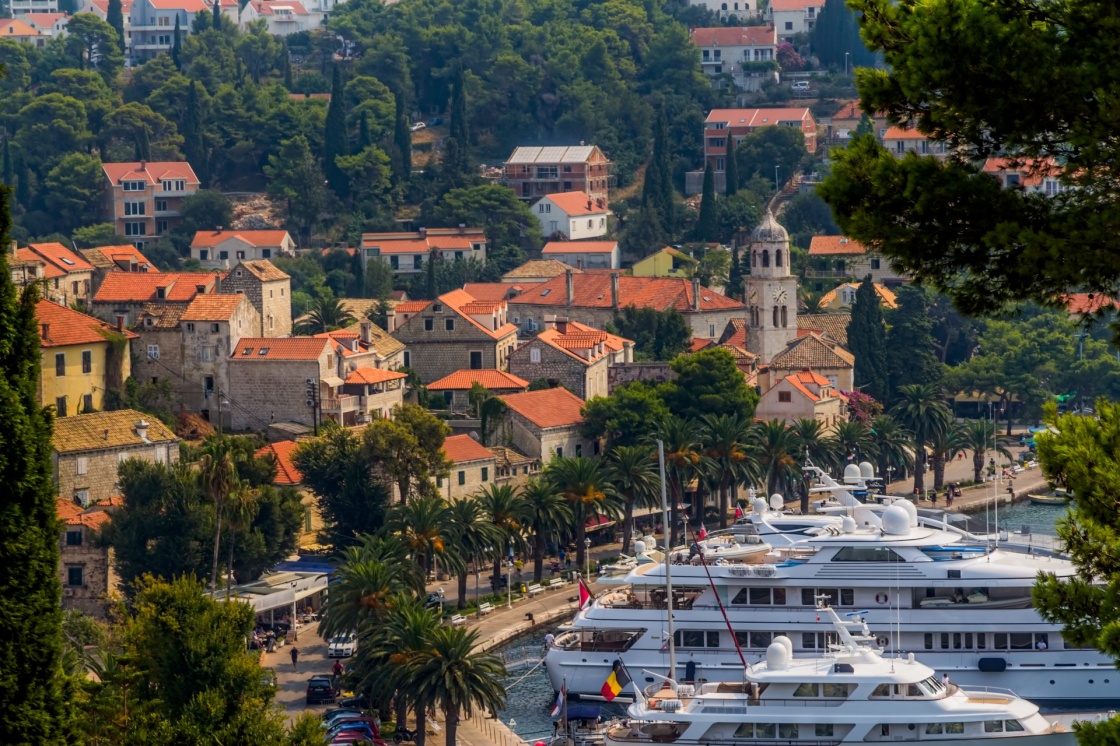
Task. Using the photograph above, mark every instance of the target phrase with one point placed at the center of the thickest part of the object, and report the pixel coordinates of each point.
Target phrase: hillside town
(367, 359)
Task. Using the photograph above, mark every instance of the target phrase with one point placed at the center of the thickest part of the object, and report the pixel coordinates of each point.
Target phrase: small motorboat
(1055, 498)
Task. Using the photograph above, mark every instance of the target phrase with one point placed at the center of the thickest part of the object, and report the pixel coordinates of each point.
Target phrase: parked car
(418, 126)
(342, 646)
(351, 737)
(799, 85)
(435, 121)
(340, 712)
(349, 726)
(356, 702)
(320, 689)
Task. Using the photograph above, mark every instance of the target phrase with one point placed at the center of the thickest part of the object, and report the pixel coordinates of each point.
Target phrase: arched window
(765, 257)
(724, 6)
(778, 258)
(784, 319)
(775, 317)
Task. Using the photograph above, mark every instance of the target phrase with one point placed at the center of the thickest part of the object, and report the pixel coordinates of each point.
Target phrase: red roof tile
(43, 21)
(1086, 303)
(593, 290)
(903, 133)
(459, 299)
(68, 327)
(791, 5)
(1031, 171)
(373, 375)
(182, 287)
(494, 291)
(462, 448)
(832, 245)
(698, 344)
(280, 348)
(462, 380)
(126, 253)
(154, 172)
(572, 335)
(576, 204)
(446, 239)
(748, 36)
(205, 239)
(73, 514)
(547, 407)
(579, 247)
(267, 7)
(411, 306)
(213, 307)
(50, 271)
(286, 472)
(797, 385)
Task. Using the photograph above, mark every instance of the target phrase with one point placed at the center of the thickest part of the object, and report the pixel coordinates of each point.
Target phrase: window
(174, 185)
(74, 538)
(448, 396)
(133, 186)
(485, 474)
(190, 326)
(789, 25)
(133, 208)
(60, 363)
(785, 397)
(208, 384)
(87, 403)
(696, 638)
(559, 451)
(207, 353)
(214, 328)
(161, 205)
(135, 229)
(544, 207)
(807, 690)
(82, 497)
(153, 352)
(394, 262)
(462, 477)
(204, 254)
(82, 465)
(407, 359)
(579, 449)
(547, 172)
(418, 261)
(74, 576)
(163, 39)
(846, 596)
(476, 360)
(534, 355)
(449, 324)
(240, 254)
(161, 226)
(866, 554)
(429, 324)
(875, 264)
(755, 639)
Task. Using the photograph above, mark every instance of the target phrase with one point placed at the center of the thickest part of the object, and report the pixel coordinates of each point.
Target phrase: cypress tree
(707, 224)
(176, 44)
(217, 15)
(458, 163)
(664, 184)
(431, 275)
(193, 147)
(7, 168)
(867, 339)
(735, 275)
(35, 700)
(730, 168)
(143, 145)
(336, 142)
(402, 140)
(911, 354)
(365, 139)
(114, 15)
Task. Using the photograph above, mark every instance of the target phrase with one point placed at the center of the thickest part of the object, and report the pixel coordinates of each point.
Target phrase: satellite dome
(759, 505)
(896, 521)
(848, 524)
(909, 508)
(777, 502)
(786, 643)
(866, 470)
(769, 230)
(777, 657)
(639, 547)
(851, 473)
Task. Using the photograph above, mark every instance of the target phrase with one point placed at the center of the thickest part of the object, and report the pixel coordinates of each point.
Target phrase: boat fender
(881, 598)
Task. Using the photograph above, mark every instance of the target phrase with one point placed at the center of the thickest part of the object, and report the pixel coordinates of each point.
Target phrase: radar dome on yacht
(777, 502)
(909, 508)
(651, 543)
(848, 525)
(866, 470)
(896, 521)
(777, 657)
(851, 473)
(786, 643)
(639, 546)
(758, 505)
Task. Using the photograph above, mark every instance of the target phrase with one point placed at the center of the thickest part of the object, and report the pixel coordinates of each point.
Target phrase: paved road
(291, 684)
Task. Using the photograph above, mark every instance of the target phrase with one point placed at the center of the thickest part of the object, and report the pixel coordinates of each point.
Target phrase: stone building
(406, 253)
(123, 295)
(223, 249)
(545, 424)
(456, 388)
(771, 291)
(365, 344)
(270, 292)
(287, 475)
(211, 327)
(473, 467)
(802, 395)
(535, 271)
(595, 298)
(285, 379)
(454, 332)
(89, 447)
(572, 355)
(514, 467)
(811, 352)
(108, 259)
(85, 566)
(368, 394)
(66, 277)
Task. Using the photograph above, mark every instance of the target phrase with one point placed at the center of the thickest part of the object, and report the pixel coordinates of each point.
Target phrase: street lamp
(587, 558)
(512, 725)
(846, 62)
(509, 584)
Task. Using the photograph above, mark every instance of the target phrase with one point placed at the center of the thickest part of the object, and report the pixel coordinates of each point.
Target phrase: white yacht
(850, 694)
(963, 606)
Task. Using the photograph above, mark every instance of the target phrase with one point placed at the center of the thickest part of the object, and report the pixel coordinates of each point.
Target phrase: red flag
(701, 533)
(585, 596)
(738, 512)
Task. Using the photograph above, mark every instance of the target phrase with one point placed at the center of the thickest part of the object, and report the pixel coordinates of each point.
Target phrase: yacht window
(934, 729)
(812, 640)
(993, 726)
(981, 641)
(755, 639)
(696, 638)
(1001, 641)
(759, 595)
(884, 729)
(934, 684)
(929, 641)
(1013, 726)
(834, 691)
(944, 640)
(846, 596)
(764, 730)
(1021, 641)
(824, 730)
(881, 691)
(954, 728)
(745, 730)
(807, 690)
(866, 554)
(956, 641)
(779, 596)
(787, 730)
(913, 690)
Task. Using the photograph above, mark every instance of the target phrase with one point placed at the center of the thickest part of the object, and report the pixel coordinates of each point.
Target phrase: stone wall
(272, 301)
(436, 358)
(169, 365)
(476, 475)
(268, 391)
(652, 373)
(100, 467)
(98, 578)
(542, 443)
(559, 368)
(704, 324)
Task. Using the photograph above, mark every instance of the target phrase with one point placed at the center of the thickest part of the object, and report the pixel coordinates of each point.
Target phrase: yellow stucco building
(665, 263)
(83, 358)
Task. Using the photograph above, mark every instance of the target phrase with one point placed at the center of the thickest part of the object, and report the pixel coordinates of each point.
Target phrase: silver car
(342, 646)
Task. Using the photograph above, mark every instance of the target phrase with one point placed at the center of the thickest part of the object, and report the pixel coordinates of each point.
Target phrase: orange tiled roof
(787, 5)
(578, 247)
(462, 380)
(213, 307)
(903, 133)
(373, 375)
(478, 307)
(68, 327)
(548, 407)
(263, 270)
(698, 344)
(1031, 171)
(286, 471)
(462, 448)
(43, 20)
(72, 514)
(457, 300)
(106, 257)
(1086, 303)
(494, 291)
(182, 287)
(446, 239)
(799, 386)
(103, 6)
(749, 36)
(811, 376)
(572, 335)
(576, 204)
(538, 268)
(205, 239)
(833, 245)
(14, 28)
(886, 296)
(155, 172)
(593, 290)
(280, 348)
(265, 7)
(411, 306)
(50, 271)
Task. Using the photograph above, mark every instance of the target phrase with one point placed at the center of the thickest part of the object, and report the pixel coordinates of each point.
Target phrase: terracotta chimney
(12, 248)
(143, 165)
(423, 232)
(562, 325)
(571, 286)
(614, 290)
(695, 294)
(120, 323)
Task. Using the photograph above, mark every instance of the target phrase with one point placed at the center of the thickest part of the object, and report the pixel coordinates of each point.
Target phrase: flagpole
(564, 704)
(668, 561)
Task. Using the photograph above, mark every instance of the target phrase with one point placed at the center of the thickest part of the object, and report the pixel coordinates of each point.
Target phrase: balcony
(341, 405)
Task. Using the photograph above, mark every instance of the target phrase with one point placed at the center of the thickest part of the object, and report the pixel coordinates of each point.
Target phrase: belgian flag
(616, 682)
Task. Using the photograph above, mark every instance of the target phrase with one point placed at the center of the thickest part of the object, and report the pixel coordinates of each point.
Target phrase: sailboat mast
(668, 560)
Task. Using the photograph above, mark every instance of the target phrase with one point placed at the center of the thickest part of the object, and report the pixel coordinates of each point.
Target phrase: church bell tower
(770, 291)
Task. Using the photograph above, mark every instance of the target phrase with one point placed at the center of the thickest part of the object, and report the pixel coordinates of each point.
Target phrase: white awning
(332, 381)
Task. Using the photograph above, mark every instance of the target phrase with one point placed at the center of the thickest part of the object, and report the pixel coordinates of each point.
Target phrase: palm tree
(853, 441)
(725, 440)
(241, 507)
(681, 439)
(219, 479)
(325, 314)
(473, 533)
(372, 573)
(405, 632)
(777, 455)
(632, 472)
(546, 513)
(449, 673)
(944, 447)
(583, 483)
(979, 436)
(893, 444)
(921, 411)
(423, 525)
(505, 511)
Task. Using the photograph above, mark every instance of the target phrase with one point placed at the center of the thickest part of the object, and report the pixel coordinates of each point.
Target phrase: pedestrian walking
(295, 658)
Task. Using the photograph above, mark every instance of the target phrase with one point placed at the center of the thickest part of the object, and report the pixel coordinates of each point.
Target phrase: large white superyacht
(960, 603)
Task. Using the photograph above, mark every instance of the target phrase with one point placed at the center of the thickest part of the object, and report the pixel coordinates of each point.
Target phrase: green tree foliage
(911, 353)
(893, 446)
(657, 335)
(806, 216)
(471, 534)
(707, 224)
(739, 212)
(409, 449)
(709, 383)
(508, 222)
(177, 44)
(114, 16)
(206, 210)
(378, 281)
(657, 191)
(258, 50)
(94, 45)
(920, 410)
(835, 34)
(341, 474)
(584, 484)
(193, 146)
(546, 517)
(765, 148)
(295, 176)
(402, 142)
(867, 341)
(621, 417)
(336, 138)
(35, 699)
(74, 189)
(98, 234)
(368, 176)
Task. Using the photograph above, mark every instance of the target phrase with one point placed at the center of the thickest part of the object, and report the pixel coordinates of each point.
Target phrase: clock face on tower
(779, 295)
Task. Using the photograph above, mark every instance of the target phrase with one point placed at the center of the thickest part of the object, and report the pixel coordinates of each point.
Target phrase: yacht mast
(668, 561)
